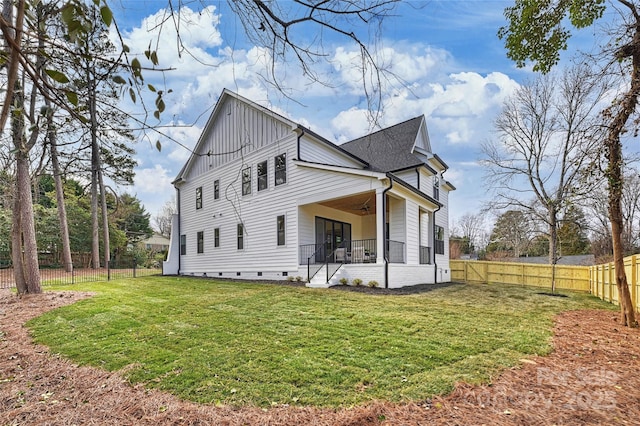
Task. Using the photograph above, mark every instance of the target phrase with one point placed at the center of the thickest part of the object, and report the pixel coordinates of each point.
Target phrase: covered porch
(370, 229)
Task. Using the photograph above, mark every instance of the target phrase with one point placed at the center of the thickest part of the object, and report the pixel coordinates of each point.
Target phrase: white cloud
(152, 180)
(459, 105)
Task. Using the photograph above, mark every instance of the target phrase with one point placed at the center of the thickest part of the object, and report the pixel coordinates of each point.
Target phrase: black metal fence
(59, 275)
(351, 251)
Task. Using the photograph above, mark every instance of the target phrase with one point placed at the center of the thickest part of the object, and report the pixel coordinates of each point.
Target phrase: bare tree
(547, 132)
(282, 28)
(537, 31)
(600, 225)
(471, 226)
(164, 218)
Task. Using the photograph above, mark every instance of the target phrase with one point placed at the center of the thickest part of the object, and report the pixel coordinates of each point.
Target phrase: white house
(262, 197)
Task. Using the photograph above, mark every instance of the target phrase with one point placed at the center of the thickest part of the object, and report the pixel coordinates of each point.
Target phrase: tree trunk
(553, 246)
(29, 248)
(95, 240)
(614, 176)
(95, 169)
(16, 245)
(62, 210)
(25, 249)
(105, 218)
(67, 261)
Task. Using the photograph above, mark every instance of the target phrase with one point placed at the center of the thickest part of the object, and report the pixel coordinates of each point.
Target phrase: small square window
(259, 274)
(216, 237)
(246, 181)
(262, 176)
(198, 198)
(201, 242)
(281, 169)
(216, 189)
(238, 274)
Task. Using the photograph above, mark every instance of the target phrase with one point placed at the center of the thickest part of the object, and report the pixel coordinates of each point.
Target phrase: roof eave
(334, 146)
(414, 189)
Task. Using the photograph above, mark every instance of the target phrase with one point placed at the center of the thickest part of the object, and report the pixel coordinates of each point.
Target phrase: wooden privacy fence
(599, 280)
(529, 274)
(603, 281)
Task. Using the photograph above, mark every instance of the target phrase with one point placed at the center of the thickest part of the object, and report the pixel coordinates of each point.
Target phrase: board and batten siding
(235, 132)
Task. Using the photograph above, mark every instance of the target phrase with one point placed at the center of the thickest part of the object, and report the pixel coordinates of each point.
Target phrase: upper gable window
(216, 189)
(262, 176)
(436, 187)
(246, 181)
(281, 169)
(198, 198)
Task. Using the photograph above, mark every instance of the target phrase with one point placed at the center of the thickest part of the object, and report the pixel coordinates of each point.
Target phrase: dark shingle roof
(388, 149)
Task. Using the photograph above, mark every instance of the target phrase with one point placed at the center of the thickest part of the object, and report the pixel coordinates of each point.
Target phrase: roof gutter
(385, 237)
(300, 135)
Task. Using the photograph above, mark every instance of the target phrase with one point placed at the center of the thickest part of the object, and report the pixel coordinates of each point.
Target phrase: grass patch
(242, 343)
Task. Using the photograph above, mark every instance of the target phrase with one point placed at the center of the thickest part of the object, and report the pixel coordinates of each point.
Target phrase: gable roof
(389, 149)
(218, 110)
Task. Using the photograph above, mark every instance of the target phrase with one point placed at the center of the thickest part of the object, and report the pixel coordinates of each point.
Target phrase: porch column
(380, 225)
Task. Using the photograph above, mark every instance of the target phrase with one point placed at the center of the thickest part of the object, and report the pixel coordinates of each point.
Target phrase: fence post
(611, 273)
(634, 279)
(73, 274)
(108, 270)
(134, 267)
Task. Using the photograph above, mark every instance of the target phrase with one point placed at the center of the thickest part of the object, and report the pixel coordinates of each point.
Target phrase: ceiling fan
(363, 208)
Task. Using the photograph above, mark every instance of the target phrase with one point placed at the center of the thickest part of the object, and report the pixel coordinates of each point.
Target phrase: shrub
(344, 281)
(290, 278)
(372, 283)
(299, 279)
(357, 282)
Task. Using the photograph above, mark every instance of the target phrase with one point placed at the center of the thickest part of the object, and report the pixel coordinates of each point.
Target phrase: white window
(281, 169)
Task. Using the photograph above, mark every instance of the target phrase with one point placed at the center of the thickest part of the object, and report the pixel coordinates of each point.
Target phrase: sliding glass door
(330, 234)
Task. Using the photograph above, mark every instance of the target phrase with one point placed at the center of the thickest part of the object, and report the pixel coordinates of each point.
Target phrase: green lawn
(260, 344)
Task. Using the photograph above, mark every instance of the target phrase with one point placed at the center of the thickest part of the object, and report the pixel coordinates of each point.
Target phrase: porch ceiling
(361, 204)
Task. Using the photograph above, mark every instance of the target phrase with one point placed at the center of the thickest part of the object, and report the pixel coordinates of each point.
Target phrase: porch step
(320, 278)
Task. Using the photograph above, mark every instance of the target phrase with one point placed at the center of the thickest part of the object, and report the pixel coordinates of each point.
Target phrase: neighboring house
(263, 197)
(156, 243)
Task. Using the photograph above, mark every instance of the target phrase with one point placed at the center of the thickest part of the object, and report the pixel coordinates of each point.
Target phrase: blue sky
(447, 52)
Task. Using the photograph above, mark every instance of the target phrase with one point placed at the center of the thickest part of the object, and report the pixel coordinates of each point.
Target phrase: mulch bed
(592, 377)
